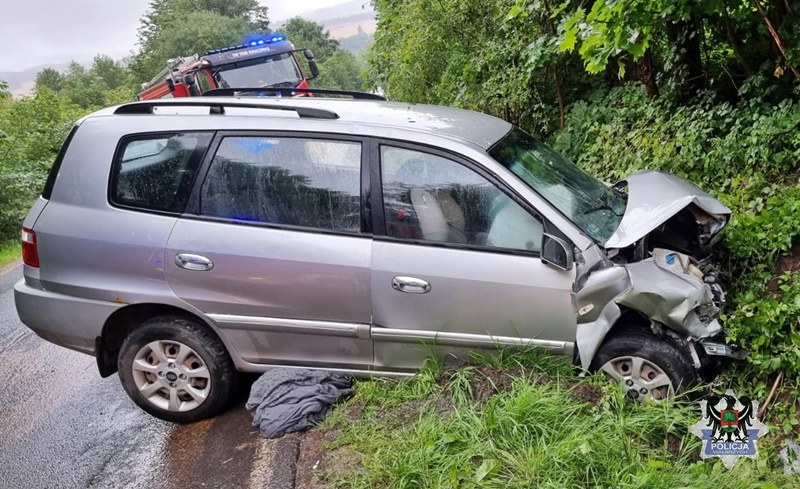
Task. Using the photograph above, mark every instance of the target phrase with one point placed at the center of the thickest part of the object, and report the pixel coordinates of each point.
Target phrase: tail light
(30, 252)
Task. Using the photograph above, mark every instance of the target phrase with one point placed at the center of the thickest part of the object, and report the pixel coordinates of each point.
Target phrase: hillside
(20, 80)
(345, 20)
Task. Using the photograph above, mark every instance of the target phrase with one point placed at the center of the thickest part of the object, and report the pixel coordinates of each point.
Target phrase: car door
(458, 267)
(271, 249)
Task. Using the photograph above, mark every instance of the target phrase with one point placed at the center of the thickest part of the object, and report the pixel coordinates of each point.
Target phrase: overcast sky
(37, 32)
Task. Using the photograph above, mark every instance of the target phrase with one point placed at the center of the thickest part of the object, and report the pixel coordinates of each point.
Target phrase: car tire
(644, 365)
(176, 370)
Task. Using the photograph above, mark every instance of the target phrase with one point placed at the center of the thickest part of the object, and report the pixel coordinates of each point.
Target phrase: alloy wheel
(171, 376)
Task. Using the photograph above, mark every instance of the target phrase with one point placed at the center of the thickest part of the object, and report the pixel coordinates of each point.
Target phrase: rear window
(156, 171)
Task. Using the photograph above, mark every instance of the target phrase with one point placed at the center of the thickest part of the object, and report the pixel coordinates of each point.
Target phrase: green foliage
(611, 35)
(338, 68)
(356, 44)
(307, 34)
(422, 49)
(106, 82)
(608, 30)
(83, 87)
(496, 57)
(538, 430)
(524, 60)
(112, 73)
(50, 79)
(342, 71)
(9, 252)
(31, 133)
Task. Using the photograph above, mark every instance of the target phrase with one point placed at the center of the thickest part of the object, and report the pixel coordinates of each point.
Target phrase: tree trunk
(557, 81)
(775, 37)
(646, 74)
(736, 45)
(690, 76)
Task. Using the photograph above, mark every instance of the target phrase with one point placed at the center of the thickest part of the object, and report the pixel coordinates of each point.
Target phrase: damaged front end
(664, 271)
(683, 299)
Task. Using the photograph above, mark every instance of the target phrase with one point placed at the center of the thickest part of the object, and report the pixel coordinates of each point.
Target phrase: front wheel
(176, 370)
(644, 365)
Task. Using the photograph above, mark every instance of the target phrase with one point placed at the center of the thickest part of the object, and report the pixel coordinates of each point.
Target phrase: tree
(306, 34)
(83, 87)
(5, 95)
(51, 79)
(31, 132)
(497, 57)
(680, 36)
(616, 34)
(338, 68)
(113, 74)
(341, 71)
(357, 43)
(173, 28)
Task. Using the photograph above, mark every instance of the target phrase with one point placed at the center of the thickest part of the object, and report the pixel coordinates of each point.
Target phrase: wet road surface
(61, 425)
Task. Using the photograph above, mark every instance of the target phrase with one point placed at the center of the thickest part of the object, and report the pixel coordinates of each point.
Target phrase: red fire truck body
(262, 62)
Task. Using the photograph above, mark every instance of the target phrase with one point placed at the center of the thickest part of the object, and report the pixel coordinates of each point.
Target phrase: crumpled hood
(655, 197)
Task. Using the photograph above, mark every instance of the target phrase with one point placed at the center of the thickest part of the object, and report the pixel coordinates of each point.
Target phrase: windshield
(273, 71)
(590, 204)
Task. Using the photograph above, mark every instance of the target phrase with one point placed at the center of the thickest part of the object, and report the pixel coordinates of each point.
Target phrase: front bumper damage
(668, 289)
(681, 301)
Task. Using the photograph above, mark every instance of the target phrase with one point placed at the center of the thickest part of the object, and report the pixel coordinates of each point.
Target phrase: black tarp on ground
(285, 400)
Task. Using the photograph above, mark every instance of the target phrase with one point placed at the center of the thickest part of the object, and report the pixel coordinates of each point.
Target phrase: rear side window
(156, 172)
(294, 181)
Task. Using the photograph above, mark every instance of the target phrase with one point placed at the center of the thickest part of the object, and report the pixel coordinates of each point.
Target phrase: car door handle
(411, 285)
(193, 262)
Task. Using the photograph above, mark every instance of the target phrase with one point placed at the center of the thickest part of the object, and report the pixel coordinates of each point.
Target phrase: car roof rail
(218, 108)
(289, 92)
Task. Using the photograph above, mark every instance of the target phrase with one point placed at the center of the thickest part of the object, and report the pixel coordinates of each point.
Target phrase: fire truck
(268, 62)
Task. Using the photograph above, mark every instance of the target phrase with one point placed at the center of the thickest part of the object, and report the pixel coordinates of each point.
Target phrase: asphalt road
(61, 425)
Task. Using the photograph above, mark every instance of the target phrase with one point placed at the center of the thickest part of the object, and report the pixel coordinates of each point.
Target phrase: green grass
(441, 430)
(9, 251)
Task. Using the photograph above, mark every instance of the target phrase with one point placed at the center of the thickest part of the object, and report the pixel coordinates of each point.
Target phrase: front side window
(293, 181)
(431, 198)
(590, 204)
(156, 171)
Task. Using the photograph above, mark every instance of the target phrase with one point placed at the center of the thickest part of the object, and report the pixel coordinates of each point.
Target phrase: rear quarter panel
(89, 249)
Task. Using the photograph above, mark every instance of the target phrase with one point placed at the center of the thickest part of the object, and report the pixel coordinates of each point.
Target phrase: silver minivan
(183, 241)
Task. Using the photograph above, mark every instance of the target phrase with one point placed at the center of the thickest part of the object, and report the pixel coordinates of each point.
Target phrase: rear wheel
(176, 370)
(644, 365)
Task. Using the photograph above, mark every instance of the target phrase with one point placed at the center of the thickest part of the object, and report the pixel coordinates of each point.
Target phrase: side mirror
(556, 252)
(312, 63)
(191, 85)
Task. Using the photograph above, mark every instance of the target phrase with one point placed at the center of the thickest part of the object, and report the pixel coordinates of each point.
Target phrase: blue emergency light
(256, 41)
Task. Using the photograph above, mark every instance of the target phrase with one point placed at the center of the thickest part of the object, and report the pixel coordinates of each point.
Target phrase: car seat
(436, 215)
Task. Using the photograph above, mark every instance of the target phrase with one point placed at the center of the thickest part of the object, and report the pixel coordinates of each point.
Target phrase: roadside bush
(31, 133)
